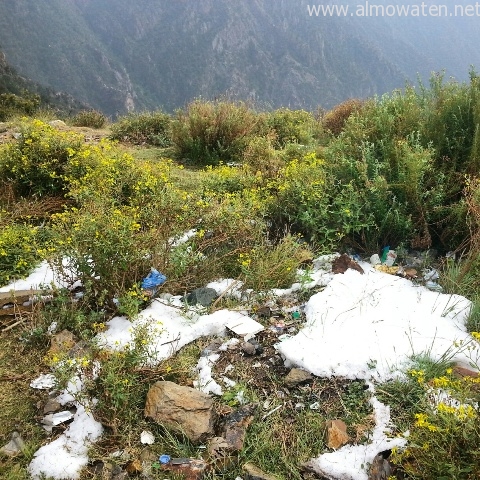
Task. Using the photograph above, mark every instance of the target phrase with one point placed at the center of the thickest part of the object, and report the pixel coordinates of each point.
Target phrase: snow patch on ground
(65, 457)
(367, 326)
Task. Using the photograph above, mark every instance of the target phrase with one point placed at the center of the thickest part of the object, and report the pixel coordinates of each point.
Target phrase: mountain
(119, 55)
(17, 92)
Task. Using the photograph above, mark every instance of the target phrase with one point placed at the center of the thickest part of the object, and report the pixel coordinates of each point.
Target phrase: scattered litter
(163, 459)
(391, 258)
(272, 411)
(315, 406)
(147, 438)
(152, 281)
(245, 327)
(44, 382)
(53, 419)
(431, 275)
(375, 259)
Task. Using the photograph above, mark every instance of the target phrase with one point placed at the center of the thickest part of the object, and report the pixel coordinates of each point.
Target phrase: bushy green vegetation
(148, 128)
(399, 170)
(12, 104)
(89, 118)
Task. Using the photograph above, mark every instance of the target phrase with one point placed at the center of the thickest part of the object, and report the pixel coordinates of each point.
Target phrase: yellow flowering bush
(18, 251)
(272, 266)
(35, 164)
(443, 437)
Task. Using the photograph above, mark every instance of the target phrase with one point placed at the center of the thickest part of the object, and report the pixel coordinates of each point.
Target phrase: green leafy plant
(147, 128)
(209, 132)
(89, 118)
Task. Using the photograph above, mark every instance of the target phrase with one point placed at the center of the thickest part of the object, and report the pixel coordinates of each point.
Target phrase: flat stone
(15, 446)
(203, 296)
(51, 406)
(254, 473)
(296, 376)
(337, 434)
(236, 424)
(182, 409)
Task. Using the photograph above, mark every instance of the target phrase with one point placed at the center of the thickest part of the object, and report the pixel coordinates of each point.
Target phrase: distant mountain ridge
(118, 55)
(13, 83)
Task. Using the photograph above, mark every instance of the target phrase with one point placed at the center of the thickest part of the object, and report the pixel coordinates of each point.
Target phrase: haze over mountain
(120, 55)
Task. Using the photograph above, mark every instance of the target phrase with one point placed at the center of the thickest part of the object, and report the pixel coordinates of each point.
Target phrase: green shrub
(269, 266)
(89, 118)
(291, 126)
(16, 105)
(209, 132)
(308, 199)
(18, 251)
(148, 128)
(443, 435)
(35, 164)
(261, 156)
(334, 120)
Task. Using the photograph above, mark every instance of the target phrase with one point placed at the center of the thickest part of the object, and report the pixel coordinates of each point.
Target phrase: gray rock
(183, 409)
(204, 296)
(296, 376)
(248, 348)
(51, 406)
(380, 468)
(15, 446)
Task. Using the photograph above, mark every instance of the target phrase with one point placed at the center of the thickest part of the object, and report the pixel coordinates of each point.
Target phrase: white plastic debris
(244, 327)
(147, 438)
(44, 382)
(54, 419)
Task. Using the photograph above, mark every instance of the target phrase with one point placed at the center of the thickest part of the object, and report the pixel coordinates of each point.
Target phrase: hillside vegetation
(259, 192)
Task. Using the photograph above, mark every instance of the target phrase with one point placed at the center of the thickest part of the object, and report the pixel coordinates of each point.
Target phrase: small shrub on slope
(206, 133)
(149, 128)
(36, 163)
(90, 119)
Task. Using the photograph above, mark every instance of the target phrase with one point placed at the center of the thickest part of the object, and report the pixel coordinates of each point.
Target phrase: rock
(336, 434)
(51, 406)
(62, 342)
(57, 123)
(296, 376)
(15, 446)
(264, 312)
(342, 263)
(252, 472)
(219, 454)
(459, 371)
(188, 468)
(380, 468)
(134, 467)
(183, 409)
(258, 346)
(236, 424)
(248, 348)
(204, 296)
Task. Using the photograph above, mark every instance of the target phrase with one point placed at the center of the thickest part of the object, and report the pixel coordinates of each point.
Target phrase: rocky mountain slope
(118, 55)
